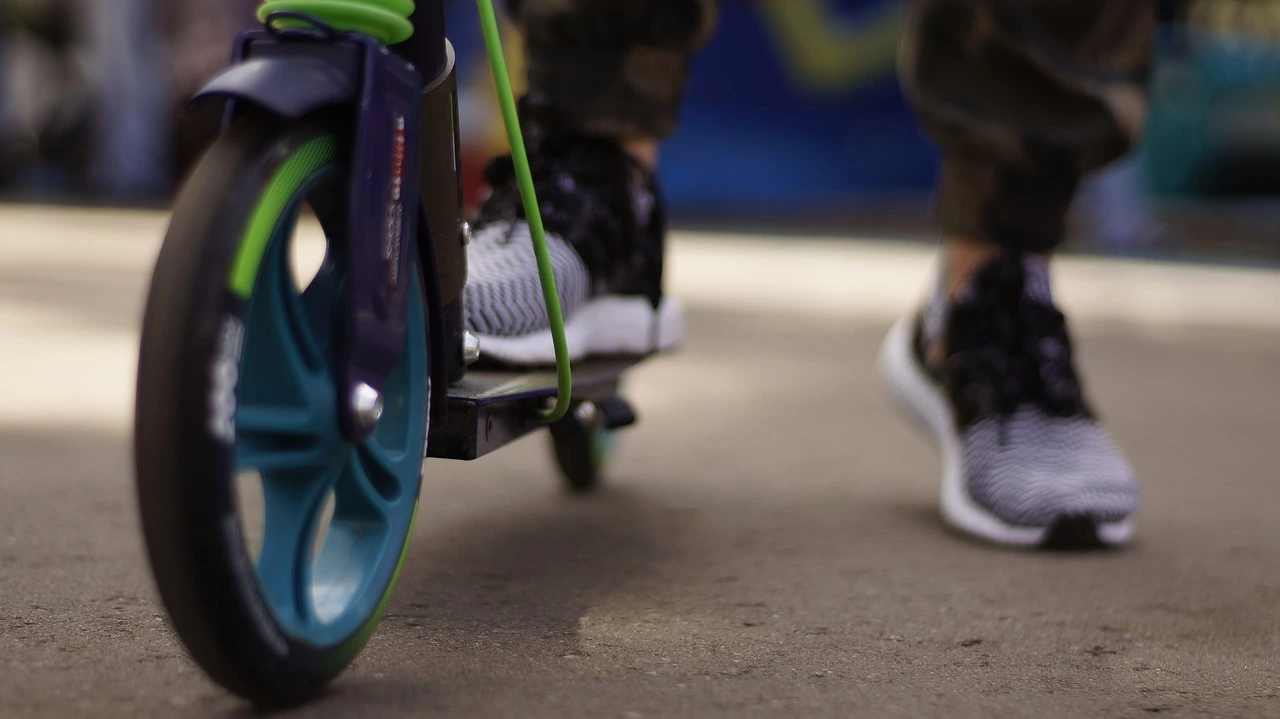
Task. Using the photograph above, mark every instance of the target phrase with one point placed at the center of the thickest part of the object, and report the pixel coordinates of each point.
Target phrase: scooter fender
(291, 87)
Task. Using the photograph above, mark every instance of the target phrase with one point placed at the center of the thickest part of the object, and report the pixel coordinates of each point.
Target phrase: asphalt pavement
(767, 544)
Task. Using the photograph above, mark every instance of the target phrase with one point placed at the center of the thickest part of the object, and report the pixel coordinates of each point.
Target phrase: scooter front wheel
(275, 542)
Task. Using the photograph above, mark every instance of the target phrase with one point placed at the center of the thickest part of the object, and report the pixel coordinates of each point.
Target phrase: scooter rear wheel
(583, 446)
(275, 542)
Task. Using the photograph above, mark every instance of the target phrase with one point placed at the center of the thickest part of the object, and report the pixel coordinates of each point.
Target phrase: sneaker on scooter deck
(991, 376)
(606, 228)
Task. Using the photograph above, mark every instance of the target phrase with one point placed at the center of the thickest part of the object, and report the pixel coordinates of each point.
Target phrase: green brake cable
(493, 43)
(385, 20)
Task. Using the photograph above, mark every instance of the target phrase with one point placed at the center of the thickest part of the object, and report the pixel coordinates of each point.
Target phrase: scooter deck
(488, 409)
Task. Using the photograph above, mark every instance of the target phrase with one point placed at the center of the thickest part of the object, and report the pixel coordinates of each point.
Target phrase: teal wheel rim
(324, 590)
(603, 443)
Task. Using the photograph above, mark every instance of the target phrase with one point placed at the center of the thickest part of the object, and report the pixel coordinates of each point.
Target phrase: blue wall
(752, 132)
(757, 130)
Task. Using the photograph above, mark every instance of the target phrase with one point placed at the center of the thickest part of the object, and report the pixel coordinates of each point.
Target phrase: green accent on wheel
(362, 636)
(498, 63)
(276, 196)
(387, 21)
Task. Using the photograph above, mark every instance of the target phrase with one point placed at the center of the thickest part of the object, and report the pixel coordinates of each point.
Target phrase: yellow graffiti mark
(826, 54)
(1252, 17)
(481, 90)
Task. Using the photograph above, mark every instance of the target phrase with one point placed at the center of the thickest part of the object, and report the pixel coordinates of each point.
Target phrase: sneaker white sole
(606, 325)
(923, 403)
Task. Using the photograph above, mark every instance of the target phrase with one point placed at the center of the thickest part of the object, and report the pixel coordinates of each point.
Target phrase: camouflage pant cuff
(627, 92)
(985, 202)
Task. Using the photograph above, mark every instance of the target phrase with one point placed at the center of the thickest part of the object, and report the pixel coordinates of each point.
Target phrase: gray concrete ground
(767, 546)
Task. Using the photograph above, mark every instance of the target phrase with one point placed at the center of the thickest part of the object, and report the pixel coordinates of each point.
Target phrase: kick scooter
(328, 393)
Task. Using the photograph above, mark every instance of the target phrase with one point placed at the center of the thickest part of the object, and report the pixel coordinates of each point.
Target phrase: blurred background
(767, 543)
(91, 91)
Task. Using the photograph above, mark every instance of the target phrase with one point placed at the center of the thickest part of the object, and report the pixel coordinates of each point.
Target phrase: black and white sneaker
(606, 230)
(1025, 461)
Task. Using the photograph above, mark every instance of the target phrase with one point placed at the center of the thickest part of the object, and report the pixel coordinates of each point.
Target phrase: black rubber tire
(185, 476)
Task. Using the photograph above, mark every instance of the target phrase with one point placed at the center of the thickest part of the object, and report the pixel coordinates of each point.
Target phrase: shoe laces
(583, 188)
(1008, 350)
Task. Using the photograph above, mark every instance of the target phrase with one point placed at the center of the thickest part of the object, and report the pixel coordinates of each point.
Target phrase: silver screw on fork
(586, 413)
(367, 404)
(470, 348)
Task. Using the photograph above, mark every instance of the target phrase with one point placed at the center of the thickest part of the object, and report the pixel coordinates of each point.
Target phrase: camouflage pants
(1023, 97)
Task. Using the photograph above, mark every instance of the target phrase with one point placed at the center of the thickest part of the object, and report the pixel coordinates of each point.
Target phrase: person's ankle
(643, 150)
(961, 257)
